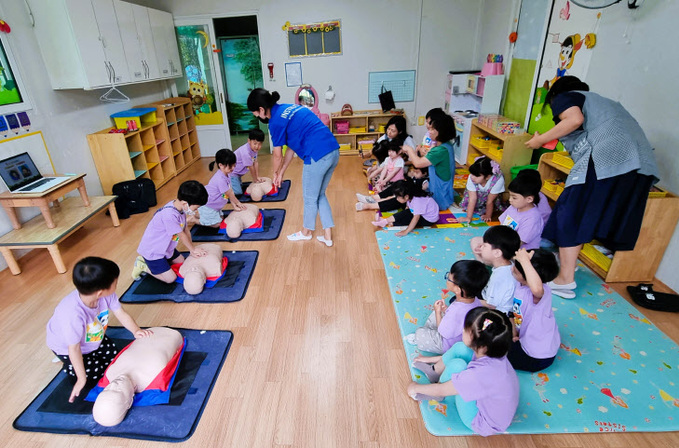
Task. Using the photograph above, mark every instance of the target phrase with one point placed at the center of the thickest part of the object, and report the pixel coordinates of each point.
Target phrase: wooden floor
(317, 359)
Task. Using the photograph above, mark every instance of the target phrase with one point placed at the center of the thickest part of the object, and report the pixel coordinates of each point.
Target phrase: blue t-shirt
(302, 131)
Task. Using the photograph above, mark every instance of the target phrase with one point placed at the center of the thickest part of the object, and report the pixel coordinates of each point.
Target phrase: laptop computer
(20, 175)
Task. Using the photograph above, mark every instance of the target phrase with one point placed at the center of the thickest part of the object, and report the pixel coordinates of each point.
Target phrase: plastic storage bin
(562, 158)
(141, 116)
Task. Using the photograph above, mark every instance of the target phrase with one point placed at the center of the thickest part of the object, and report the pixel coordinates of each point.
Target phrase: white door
(111, 41)
(201, 80)
(157, 19)
(87, 37)
(128, 33)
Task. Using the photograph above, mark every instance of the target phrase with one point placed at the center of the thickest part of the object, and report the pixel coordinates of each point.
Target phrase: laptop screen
(18, 171)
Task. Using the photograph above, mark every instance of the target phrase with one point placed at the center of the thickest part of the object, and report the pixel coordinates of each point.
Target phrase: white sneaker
(359, 206)
(564, 291)
(365, 199)
(322, 239)
(299, 236)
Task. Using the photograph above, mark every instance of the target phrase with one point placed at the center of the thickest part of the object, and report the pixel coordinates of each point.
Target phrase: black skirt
(608, 210)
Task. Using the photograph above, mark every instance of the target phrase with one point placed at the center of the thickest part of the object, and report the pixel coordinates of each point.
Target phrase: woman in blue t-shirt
(303, 132)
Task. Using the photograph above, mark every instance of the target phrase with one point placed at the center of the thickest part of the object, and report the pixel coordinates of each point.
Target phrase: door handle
(221, 97)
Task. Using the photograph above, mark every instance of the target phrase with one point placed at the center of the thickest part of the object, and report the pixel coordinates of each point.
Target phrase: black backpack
(134, 196)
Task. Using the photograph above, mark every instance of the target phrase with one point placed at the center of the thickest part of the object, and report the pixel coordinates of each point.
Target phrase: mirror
(306, 96)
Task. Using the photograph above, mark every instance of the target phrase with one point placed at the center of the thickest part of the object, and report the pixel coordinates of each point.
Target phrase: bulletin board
(401, 83)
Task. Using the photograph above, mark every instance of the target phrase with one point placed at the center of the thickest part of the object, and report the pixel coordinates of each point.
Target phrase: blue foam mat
(273, 224)
(615, 370)
(281, 196)
(244, 260)
(161, 422)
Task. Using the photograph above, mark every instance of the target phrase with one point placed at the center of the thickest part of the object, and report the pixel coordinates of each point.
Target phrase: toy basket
(597, 257)
(562, 158)
(341, 126)
(495, 151)
(481, 141)
(345, 147)
(357, 129)
(550, 185)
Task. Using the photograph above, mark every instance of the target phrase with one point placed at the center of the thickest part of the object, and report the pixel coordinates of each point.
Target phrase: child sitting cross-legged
(385, 200)
(496, 249)
(523, 214)
(476, 372)
(391, 170)
(536, 333)
(422, 209)
(443, 328)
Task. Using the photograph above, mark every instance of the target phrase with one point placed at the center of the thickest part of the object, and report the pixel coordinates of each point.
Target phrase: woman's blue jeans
(315, 179)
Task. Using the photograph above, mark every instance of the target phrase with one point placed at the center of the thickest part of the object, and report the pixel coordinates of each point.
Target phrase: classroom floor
(317, 358)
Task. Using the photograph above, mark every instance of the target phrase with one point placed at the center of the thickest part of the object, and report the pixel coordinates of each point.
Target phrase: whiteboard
(401, 83)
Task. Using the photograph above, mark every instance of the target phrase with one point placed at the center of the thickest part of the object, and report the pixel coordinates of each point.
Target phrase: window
(314, 39)
(12, 92)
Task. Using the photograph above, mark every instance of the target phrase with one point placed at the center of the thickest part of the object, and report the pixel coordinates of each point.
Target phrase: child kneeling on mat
(443, 328)
(476, 371)
(158, 247)
(422, 210)
(76, 333)
(536, 333)
(219, 191)
(246, 159)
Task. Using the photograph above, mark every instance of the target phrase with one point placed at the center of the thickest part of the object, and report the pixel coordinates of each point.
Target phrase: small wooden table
(12, 200)
(68, 217)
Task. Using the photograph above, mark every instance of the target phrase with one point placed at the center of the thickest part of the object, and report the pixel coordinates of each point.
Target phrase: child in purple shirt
(219, 191)
(422, 209)
(443, 328)
(523, 214)
(536, 335)
(158, 246)
(76, 333)
(477, 373)
(246, 159)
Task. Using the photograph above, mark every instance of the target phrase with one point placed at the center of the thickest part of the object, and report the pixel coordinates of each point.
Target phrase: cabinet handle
(108, 70)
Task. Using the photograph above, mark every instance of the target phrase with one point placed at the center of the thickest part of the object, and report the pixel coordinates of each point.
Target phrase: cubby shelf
(360, 119)
(150, 151)
(660, 219)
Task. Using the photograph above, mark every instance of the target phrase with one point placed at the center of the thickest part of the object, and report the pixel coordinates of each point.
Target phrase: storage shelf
(660, 219)
(138, 173)
(159, 142)
(151, 165)
(486, 153)
(147, 147)
(164, 158)
(514, 151)
(134, 154)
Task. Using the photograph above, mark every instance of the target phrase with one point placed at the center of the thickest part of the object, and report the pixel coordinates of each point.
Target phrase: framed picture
(13, 97)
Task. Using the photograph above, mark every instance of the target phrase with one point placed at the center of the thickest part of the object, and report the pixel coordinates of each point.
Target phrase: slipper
(427, 369)
(566, 291)
(381, 223)
(322, 239)
(298, 236)
(359, 206)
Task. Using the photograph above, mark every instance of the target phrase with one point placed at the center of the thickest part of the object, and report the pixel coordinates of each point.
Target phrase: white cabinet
(471, 91)
(90, 44)
(165, 42)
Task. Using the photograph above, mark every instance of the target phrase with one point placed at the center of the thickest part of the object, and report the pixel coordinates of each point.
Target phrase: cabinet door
(111, 40)
(88, 40)
(157, 20)
(145, 36)
(172, 46)
(128, 35)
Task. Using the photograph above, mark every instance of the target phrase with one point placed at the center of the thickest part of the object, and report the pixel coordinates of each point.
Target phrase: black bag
(134, 196)
(386, 100)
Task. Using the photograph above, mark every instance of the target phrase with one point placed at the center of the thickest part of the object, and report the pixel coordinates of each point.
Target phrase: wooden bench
(68, 217)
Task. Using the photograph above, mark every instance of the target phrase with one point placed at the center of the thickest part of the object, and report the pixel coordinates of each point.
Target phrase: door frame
(220, 95)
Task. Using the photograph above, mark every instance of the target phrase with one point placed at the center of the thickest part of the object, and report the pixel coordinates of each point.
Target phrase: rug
(615, 370)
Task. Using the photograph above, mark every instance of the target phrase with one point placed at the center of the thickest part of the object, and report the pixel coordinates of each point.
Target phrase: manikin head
(257, 190)
(114, 401)
(194, 280)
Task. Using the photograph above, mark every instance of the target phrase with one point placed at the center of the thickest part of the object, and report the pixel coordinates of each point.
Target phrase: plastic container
(515, 169)
(341, 126)
(357, 129)
(657, 192)
(142, 117)
(562, 158)
(597, 257)
(345, 147)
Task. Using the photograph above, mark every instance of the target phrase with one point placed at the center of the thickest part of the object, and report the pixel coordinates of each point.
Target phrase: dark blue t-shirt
(565, 101)
(302, 131)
